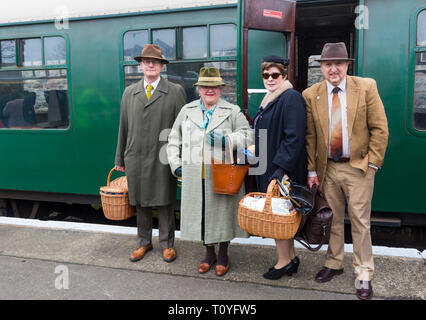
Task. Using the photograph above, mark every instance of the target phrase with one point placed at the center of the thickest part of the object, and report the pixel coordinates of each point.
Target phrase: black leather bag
(316, 214)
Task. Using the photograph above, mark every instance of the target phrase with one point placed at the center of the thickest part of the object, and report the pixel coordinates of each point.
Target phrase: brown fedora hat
(334, 51)
(151, 51)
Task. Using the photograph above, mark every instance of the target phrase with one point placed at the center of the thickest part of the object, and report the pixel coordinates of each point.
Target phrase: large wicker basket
(115, 199)
(265, 223)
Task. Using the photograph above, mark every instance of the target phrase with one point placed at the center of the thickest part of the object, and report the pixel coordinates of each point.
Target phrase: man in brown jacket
(149, 107)
(346, 140)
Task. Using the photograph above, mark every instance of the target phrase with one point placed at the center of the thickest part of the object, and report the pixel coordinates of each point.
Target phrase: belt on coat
(339, 160)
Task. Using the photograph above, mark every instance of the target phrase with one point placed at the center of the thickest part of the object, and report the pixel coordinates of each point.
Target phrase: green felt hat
(209, 77)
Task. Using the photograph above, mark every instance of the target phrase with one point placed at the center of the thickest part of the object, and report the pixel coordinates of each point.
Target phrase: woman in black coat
(283, 114)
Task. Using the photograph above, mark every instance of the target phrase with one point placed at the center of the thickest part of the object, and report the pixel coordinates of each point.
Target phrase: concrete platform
(395, 277)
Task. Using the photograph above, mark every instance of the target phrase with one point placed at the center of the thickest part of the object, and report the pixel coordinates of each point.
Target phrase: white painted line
(250, 91)
(90, 227)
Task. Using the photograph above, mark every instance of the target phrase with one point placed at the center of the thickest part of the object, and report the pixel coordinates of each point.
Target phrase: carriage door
(266, 27)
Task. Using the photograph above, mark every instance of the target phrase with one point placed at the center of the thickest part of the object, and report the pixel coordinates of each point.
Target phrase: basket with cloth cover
(266, 223)
(115, 199)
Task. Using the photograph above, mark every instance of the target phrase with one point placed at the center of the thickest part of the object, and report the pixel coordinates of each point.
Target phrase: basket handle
(109, 176)
(272, 191)
(231, 154)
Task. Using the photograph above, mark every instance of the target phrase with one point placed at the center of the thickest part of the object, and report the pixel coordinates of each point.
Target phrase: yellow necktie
(148, 91)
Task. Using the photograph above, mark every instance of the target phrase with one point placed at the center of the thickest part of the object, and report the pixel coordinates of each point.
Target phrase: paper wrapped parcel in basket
(276, 219)
(115, 199)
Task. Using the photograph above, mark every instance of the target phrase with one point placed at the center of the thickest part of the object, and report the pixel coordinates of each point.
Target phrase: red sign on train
(272, 14)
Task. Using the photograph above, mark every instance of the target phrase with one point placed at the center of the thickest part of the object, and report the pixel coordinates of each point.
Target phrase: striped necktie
(336, 145)
(148, 91)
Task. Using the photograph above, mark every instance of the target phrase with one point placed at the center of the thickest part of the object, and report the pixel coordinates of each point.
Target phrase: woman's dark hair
(267, 65)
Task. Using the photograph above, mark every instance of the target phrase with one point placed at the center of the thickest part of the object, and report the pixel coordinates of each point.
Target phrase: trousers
(344, 184)
(166, 225)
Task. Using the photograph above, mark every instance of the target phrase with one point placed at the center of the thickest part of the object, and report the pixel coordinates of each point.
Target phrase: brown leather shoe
(326, 274)
(169, 254)
(222, 270)
(364, 290)
(139, 253)
(203, 267)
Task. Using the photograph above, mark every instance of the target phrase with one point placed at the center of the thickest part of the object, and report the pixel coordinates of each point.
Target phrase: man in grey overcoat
(149, 107)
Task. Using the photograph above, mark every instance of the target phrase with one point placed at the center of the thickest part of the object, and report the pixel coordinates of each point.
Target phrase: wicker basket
(265, 223)
(115, 199)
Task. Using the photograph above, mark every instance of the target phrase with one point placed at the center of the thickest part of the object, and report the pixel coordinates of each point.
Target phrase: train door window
(54, 51)
(420, 92)
(31, 52)
(7, 53)
(194, 42)
(223, 40)
(314, 70)
(166, 39)
(419, 88)
(421, 29)
(134, 41)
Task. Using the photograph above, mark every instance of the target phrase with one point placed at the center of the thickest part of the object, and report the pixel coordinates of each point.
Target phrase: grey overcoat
(142, 141)
(186, 148)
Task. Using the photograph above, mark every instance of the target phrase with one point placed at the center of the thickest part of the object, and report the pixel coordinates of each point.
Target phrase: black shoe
(275, 274)
(295, 263)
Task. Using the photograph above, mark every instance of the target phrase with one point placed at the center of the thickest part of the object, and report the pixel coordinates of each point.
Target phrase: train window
(134, 41)
(166, 39)
(54, 50)
(421, 28)
(419, 106)
(194, 42)
(223, 40)
(7, 53)
(31, 52)
(186, 74)
(34, 99)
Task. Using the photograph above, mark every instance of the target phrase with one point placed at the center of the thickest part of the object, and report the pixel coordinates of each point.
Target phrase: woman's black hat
(276, 59)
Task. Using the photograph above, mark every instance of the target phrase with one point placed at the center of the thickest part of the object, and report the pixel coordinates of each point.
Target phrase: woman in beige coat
(202, 129)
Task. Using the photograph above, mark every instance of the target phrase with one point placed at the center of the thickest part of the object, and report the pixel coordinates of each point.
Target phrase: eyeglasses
(274, 75)
(149, 61)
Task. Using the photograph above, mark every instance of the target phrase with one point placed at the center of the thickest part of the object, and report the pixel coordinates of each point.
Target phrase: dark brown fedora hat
(334, 51)
(151, 51)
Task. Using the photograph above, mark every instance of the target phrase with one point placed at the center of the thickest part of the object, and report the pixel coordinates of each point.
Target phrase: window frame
(413, 50)
(178, 47)
(20, 67)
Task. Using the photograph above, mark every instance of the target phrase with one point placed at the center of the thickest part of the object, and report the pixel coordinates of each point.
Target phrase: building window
(35, 95)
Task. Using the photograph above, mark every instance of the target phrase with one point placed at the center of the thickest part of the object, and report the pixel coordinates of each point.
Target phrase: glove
(217, 139)
(278, 174)
(178, 172)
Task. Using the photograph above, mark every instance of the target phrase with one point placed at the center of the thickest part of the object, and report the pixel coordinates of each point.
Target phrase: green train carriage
(67, 74)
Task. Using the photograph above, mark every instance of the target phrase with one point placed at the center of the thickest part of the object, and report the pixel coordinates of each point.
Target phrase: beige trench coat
(187, 148)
